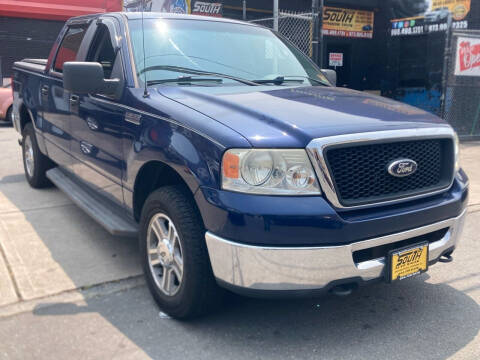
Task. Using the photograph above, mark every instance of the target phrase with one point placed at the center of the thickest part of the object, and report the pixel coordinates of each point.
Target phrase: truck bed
(37, 65)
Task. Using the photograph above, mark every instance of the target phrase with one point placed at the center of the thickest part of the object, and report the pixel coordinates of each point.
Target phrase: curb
(71, 296)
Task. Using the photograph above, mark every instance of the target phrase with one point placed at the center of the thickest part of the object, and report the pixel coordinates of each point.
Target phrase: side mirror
(331, 76)
(87, 78)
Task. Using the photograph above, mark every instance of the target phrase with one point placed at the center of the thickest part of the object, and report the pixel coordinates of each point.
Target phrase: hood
(292, 116)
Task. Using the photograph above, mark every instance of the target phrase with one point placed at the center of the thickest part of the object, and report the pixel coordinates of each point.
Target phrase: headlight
(457, 152)
(269, 171)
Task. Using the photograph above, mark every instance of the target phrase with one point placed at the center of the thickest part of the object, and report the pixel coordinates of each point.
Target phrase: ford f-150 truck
(235, 161)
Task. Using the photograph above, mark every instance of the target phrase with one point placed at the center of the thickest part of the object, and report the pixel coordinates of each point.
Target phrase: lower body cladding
(258, 270)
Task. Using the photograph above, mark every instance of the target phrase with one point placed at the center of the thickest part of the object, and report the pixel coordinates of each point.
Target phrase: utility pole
(275, 15)
(317, 35)
(447, 54)
(320, 37)
(244, 10)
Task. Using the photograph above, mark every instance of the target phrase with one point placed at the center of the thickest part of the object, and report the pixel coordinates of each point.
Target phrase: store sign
(458, 8)
(433, 18)
(467, 59)
(206, 8)
(335, 59)
(347, 22)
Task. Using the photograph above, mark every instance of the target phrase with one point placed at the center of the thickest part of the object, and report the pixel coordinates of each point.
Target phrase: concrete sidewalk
(51, 252)
(470, 162)
(47, 244)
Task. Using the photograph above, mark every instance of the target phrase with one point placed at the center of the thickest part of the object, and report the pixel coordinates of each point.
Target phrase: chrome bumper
(310, 268)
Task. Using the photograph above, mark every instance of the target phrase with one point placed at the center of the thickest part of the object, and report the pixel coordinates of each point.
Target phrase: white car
(437, 15)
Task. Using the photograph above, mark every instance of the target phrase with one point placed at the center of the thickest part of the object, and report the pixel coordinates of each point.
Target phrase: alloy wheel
(165, 255)
(28, 155)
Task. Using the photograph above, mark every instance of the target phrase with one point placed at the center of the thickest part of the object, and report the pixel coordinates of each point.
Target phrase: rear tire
(178, 256)
(35, 163)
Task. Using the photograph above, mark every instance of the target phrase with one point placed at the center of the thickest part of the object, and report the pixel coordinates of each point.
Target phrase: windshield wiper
(197, 72)
(279, 80)
(185, 80)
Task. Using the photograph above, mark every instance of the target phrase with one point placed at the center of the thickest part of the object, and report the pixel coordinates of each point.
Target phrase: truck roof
(160, 15)
(155, 15)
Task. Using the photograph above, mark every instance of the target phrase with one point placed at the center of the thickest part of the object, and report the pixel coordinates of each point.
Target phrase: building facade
(28, 28)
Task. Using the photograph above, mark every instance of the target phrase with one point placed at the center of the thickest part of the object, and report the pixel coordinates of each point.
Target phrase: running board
(101, 211)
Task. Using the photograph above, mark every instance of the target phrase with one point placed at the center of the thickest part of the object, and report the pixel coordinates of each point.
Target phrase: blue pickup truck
(235, 160)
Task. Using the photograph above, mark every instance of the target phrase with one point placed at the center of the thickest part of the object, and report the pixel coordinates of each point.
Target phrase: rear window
(69, 46)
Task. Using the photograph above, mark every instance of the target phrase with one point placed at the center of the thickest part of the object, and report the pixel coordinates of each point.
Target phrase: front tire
(174, 254)
(35, 163)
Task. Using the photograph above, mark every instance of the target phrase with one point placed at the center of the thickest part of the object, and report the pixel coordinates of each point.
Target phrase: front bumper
(270, 269)
(311, 221)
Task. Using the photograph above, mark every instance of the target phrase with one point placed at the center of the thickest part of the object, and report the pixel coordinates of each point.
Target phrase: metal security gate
(414, 68)
(461, 106)
(297, 27)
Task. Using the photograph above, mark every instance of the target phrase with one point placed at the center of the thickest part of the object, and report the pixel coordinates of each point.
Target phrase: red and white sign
(335, 59)
(467, 61)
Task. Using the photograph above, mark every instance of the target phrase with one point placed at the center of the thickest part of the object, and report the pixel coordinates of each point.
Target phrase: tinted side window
(102, 51)
(69, 46)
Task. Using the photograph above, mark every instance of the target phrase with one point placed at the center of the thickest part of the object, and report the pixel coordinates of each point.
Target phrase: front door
(97, 122)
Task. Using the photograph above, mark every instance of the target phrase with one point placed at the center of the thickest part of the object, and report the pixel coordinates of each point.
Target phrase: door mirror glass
(87, 78)
(331, 75)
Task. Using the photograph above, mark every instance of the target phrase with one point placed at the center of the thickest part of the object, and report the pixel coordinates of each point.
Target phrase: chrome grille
(352, 169)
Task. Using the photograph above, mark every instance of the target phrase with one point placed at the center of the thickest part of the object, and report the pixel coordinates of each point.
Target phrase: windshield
(241, 51)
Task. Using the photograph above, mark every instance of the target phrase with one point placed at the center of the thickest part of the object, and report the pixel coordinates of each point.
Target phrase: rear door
(97, 120)
(55, 101)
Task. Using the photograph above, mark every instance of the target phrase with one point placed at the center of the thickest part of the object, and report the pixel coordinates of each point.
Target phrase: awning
(56, 9)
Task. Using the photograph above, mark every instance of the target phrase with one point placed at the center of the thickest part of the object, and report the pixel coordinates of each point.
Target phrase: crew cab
(235, 161)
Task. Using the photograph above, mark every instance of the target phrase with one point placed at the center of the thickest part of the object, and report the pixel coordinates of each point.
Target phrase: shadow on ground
(54, 246)
(409, 320)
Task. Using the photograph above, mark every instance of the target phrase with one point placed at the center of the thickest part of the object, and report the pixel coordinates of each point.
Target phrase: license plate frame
(404, 251)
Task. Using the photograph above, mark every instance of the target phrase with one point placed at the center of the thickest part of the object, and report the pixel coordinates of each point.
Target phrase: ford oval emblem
(402, 167)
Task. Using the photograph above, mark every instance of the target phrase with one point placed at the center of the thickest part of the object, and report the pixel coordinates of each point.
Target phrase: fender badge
(133, 118)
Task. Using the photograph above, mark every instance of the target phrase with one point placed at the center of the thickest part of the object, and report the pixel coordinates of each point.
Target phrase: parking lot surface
(68, 289)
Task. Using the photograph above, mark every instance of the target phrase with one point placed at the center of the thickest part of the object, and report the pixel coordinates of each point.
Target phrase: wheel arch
(9, 109)
(25, 117)
(153, 175)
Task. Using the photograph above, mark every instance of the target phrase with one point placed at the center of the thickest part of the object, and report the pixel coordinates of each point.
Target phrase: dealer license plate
(408, 262)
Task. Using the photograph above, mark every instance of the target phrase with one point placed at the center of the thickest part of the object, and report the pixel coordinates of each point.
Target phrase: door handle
(86, 148)
(44, 90)
(74, 99)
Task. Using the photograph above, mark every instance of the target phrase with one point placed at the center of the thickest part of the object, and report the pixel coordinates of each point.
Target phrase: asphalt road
(433, 316)
(76, 294)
